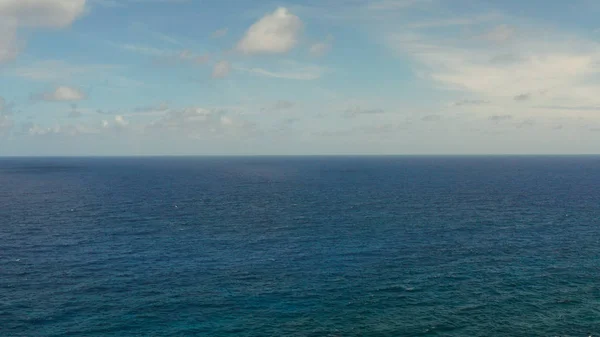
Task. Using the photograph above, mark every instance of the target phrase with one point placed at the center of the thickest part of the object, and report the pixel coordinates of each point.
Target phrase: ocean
(300, 246)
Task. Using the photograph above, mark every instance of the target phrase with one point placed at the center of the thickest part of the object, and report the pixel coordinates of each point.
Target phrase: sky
(310, 77)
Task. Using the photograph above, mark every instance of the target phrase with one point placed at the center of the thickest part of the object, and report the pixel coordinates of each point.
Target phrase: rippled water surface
(388, 246)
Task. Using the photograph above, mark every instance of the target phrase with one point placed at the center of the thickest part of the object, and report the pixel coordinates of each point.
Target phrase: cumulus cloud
(117, 124)
(63, 94)
(221, 69)
(33, 14)
(275, 33)
(196, 122)
(70, 129)
(120, 121)
(191, 122)
(33, 129)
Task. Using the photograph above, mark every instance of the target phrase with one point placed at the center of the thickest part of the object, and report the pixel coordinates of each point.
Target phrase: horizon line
(299, 155)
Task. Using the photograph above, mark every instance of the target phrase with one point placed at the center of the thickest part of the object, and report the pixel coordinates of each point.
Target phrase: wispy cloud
(55, 70)
(562, 70)
(166, 56)
(288, 70)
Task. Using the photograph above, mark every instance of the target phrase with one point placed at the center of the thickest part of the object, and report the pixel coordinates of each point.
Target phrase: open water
(300, 246)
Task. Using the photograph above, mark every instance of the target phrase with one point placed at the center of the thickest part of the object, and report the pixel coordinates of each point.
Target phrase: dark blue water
(398, 246)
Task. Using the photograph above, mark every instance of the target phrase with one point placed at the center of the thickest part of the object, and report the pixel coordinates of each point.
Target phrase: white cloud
(187, 123)
(35, 14)
(221, 69)
(275, 33)
(63, 94)
(290, 71)
(9, 46)
(166, 56)
(197, 122)
(77, 129)
(560, 68)
(42, 13)
(118, 124)
(54, 70)
(121, 121)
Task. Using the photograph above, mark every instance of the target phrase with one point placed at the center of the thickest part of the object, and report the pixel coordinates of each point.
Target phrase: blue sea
(300, 246)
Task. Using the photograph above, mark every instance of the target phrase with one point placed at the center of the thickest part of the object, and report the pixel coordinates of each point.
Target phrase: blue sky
(151, 77)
